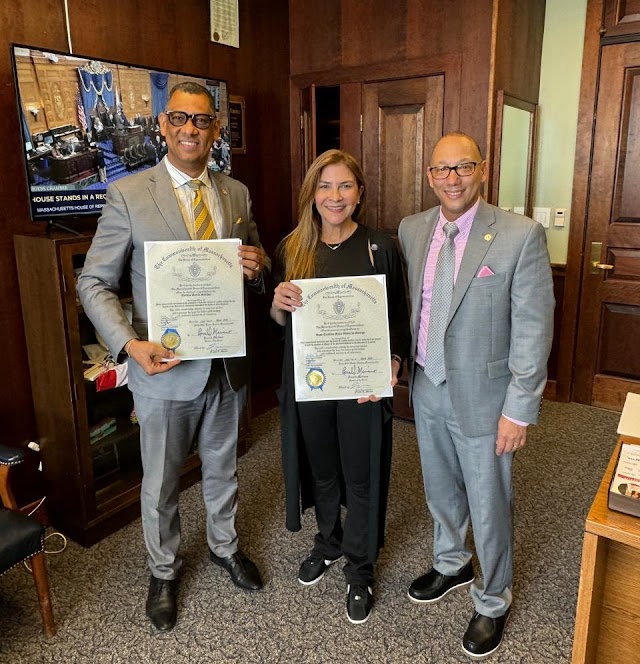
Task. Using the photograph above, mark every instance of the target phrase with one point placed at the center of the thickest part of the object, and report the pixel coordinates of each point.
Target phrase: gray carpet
(99, 593)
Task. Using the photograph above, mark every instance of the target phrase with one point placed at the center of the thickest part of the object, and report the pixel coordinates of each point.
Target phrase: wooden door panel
(627, 192)
(622, 17)
(619, 354)
(402, 121)
(401, 158)
(608, 364)
(626, 263)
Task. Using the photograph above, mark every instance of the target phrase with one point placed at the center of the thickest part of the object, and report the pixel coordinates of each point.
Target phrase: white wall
(558, 114)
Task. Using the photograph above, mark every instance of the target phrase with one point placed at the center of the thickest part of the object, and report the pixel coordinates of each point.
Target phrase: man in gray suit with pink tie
(179, 405)
(482, 325)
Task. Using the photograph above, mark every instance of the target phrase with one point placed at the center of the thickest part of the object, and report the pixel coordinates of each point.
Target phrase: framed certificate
(195, 298)
(341, 339)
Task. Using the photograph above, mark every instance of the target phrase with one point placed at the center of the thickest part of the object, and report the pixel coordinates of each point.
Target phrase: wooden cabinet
(92, 488)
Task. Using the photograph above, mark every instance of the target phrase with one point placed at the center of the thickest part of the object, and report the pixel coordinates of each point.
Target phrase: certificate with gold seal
(195, 298)
(341, 339)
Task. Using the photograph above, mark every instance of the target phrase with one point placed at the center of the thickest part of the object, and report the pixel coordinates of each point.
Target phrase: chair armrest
(11, 456)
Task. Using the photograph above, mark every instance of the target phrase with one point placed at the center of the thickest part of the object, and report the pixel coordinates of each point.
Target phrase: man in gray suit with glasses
(180, 405)
(482, 325)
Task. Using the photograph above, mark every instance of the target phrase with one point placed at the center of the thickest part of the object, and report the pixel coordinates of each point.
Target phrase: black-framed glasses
(463, 170)
(199, 120)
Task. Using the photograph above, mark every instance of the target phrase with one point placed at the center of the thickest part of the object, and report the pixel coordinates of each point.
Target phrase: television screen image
(88, 122)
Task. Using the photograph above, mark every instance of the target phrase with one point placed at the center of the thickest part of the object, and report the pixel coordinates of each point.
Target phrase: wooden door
(402, 122)
(608, 344)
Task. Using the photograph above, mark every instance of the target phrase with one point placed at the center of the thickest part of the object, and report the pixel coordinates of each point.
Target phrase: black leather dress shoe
(433, 586)
(162, 607)
(484, 635)
(242, 571)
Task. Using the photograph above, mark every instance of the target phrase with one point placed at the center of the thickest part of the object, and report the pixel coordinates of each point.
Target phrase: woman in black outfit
(338, 452)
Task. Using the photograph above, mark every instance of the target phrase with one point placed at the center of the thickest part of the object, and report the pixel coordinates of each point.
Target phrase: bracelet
(397, 358)
(126, 346)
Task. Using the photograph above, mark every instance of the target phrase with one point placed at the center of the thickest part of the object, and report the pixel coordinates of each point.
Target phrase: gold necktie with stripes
(203, 223)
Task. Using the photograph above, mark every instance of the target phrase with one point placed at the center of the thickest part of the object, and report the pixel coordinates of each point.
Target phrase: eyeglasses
(463, 170)
(199, 120)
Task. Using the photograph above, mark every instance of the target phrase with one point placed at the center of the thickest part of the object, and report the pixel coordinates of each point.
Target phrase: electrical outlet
(541, 215)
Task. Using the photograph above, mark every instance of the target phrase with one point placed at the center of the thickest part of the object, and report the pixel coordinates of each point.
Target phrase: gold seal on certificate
(315, 378)
(341, 339)
(170, 338)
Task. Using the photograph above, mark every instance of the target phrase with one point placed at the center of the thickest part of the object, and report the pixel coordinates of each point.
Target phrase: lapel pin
(487, 237)
(224, 191)
(239, 220)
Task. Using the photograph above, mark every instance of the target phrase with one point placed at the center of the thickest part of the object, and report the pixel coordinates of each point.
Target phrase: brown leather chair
(22, 538)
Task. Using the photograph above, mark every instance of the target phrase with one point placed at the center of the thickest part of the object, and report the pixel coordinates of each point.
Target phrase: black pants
(336, 438)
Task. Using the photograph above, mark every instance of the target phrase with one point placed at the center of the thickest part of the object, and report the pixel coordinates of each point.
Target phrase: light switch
(541, 215)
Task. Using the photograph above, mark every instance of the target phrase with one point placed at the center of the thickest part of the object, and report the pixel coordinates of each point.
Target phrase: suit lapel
(480, 239)
(225, 202)
(161, 190)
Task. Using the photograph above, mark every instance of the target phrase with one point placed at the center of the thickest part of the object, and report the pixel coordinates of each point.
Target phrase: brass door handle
(602, 266)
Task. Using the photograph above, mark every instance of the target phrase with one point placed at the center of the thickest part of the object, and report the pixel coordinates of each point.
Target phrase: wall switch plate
(559, 216)
(541, 215)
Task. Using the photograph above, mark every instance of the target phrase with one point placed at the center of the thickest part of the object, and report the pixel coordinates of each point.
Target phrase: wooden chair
(22, 538)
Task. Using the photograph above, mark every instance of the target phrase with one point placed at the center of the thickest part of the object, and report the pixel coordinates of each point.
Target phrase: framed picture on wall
(224, 21)
(236, 125)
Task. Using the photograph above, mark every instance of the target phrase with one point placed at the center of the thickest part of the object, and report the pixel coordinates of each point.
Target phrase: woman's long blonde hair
(299, 247)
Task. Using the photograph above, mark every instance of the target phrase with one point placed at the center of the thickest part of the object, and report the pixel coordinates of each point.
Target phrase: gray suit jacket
(500, 327)
(139, 208)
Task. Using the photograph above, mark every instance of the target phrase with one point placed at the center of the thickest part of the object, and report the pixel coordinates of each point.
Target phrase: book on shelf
(624, 490)
(102, 429)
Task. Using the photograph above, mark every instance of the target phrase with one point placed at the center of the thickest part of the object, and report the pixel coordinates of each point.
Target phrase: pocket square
(485, 271)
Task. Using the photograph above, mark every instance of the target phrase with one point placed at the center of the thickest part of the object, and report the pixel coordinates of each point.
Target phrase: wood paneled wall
(152, 34)
(336, 36)
(494, 44)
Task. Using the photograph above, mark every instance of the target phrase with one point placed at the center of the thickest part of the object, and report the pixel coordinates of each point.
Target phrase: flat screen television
(87, 122)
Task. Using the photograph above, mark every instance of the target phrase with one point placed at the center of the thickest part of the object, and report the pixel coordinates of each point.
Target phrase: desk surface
(608, 523)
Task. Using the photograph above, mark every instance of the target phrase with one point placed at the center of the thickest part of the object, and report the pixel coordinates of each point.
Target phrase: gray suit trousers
(464, 481)
(168, 431)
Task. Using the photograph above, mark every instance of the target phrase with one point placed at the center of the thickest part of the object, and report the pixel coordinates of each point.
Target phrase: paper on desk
(630, 419)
